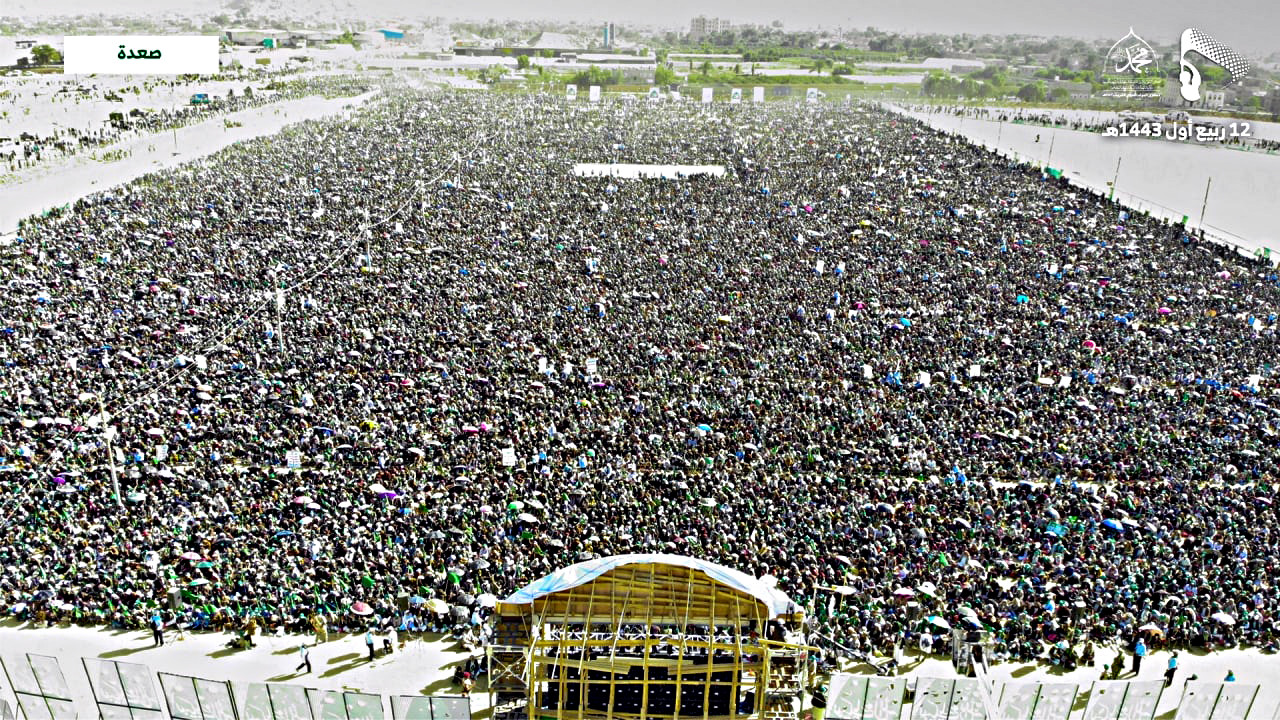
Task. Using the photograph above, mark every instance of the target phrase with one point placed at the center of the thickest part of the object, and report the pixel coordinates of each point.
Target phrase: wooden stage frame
(676, 627)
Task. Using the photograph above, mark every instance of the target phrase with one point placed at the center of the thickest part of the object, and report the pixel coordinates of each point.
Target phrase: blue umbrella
(284, 533)
(417, 600)
(1113, 524)
(704, 428)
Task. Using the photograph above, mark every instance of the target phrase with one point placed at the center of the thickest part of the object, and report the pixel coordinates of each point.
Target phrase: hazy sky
(1251, 26)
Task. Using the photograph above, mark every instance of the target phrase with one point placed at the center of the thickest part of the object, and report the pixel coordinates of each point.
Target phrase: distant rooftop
(553, 41)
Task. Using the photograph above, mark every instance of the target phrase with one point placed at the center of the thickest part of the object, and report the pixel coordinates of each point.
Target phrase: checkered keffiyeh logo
(1194, 39)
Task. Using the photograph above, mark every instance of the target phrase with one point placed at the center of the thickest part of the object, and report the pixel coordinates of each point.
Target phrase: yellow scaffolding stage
(647, 636)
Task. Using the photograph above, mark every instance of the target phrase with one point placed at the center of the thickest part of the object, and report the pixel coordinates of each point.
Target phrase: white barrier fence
(127, 691)
(863, 697)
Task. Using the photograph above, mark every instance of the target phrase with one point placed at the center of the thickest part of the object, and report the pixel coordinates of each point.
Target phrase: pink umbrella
(1224, 275)
(702, 347)
(190, 556)
(1164, 311)
(859, 305)
(1090, 344)
(361, 608)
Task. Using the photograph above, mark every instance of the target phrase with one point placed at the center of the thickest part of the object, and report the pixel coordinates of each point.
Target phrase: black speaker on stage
(175, 599)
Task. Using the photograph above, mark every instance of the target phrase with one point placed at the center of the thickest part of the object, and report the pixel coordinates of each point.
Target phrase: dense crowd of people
(28, 150)
(1235, 133)
(898, 373)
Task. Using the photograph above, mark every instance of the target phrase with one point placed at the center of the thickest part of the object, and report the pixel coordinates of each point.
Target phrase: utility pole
(1205, 205)
(279, 319)
(1051, 141)
(107, 434)
(1115, 179)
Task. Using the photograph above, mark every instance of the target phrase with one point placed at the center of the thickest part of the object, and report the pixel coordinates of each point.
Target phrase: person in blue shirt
(1231, 676)
(157, 629)
(1139, 652)
(368, 641)
(1173, 667)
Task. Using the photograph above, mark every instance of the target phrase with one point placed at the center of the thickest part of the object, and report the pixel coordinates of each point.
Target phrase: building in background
(608, 36)
(700, 26)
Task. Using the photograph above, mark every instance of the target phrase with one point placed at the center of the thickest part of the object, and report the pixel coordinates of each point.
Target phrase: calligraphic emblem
(1132, 69)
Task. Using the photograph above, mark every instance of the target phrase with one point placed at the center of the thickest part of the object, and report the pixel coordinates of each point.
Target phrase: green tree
(522, 62)
(493, 73)
(664, 75)
(1059, 94)
(705, 68)
(45, 55)
(1031, 92)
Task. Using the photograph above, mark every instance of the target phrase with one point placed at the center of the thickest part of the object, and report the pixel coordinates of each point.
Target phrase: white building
(1215, 99)
(700, 26)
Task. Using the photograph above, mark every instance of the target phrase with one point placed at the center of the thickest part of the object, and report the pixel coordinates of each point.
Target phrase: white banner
(707, 94)
(653, 93)
(811, 95)
(293, 459)
(735, 96)
(757, 94)
(593, 93)
(509, 457)
(571, 92)
(140, 54)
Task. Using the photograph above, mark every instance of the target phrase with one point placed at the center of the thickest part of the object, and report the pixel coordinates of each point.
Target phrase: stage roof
(585, 572)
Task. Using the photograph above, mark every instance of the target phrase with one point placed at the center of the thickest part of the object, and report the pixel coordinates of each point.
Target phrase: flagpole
(1205, 205)
(111, 462)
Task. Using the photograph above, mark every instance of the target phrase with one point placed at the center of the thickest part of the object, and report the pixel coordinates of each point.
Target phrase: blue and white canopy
(585, 572)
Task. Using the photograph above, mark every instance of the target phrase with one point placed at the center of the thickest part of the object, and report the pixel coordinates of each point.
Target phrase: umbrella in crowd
(879, 426)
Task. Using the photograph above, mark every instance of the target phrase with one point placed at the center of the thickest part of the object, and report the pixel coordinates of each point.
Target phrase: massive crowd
(894, 371)
(1236, 132)
(28, 150)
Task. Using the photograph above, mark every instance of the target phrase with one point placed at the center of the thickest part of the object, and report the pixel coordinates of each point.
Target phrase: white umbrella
(843, 590)
(526, 517)
(904, 592)
(1223, 618)
(487, 600)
